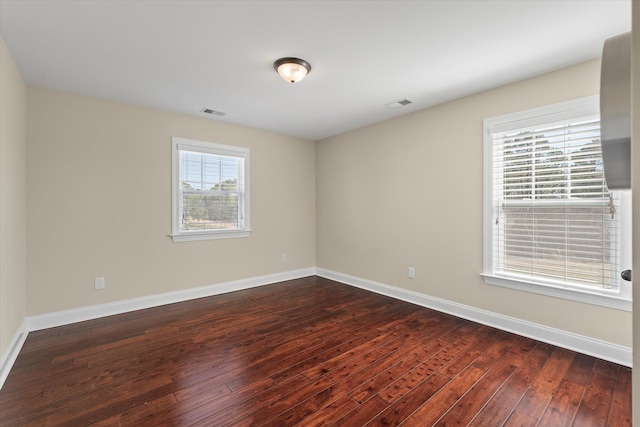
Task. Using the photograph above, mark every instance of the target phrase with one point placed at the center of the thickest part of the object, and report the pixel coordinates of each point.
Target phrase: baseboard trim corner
(593, 347)
(10, 355)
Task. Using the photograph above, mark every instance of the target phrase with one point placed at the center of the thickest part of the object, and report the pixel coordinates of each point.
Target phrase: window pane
(211, 192)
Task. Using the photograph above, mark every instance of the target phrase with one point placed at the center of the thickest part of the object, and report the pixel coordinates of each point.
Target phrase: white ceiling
(182, 56)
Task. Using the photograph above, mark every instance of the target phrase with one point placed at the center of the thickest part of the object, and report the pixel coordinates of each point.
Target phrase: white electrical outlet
(98, 283)
(284, 258)
(411, 273)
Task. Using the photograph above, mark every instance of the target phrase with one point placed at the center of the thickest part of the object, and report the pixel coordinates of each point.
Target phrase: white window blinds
(555, 222)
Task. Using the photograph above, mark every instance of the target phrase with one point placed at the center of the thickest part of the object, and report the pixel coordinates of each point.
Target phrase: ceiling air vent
(400, 103)
(213, 112)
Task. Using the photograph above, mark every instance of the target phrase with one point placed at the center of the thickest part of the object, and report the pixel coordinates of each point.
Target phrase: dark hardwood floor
(305, 352)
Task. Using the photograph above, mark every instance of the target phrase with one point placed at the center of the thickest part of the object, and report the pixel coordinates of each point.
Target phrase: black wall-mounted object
(626, 275)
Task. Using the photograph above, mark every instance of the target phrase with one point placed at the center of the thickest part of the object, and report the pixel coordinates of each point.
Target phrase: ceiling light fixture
(292, 69)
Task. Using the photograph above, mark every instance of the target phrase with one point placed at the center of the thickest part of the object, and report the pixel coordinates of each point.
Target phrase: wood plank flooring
(306, 352)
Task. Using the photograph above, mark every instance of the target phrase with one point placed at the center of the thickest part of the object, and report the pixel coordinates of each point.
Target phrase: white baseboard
(10, 355)
(597, 348)
(601, 349)
(50, 320)
(59, 318)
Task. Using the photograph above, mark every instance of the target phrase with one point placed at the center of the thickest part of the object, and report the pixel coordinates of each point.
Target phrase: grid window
(550, 220)
(210, 190)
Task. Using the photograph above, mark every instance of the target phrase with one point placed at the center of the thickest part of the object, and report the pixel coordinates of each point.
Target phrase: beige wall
(635, 172)
(99, 201)
(408, 192)
(13, 139)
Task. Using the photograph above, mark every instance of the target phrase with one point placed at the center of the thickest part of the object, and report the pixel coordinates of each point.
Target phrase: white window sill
(210, 235)
(613, 300)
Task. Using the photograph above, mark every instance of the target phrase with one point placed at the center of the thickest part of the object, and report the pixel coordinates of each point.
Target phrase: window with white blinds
(550, 219)
(210, 190)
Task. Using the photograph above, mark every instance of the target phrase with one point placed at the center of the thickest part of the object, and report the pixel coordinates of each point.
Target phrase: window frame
(618, 299)
(182, 144)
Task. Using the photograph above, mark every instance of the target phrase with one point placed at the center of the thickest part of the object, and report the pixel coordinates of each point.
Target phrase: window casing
(210, 190)
(551, 226)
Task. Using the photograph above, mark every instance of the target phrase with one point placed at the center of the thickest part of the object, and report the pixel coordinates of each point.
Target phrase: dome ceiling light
(292, 69)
